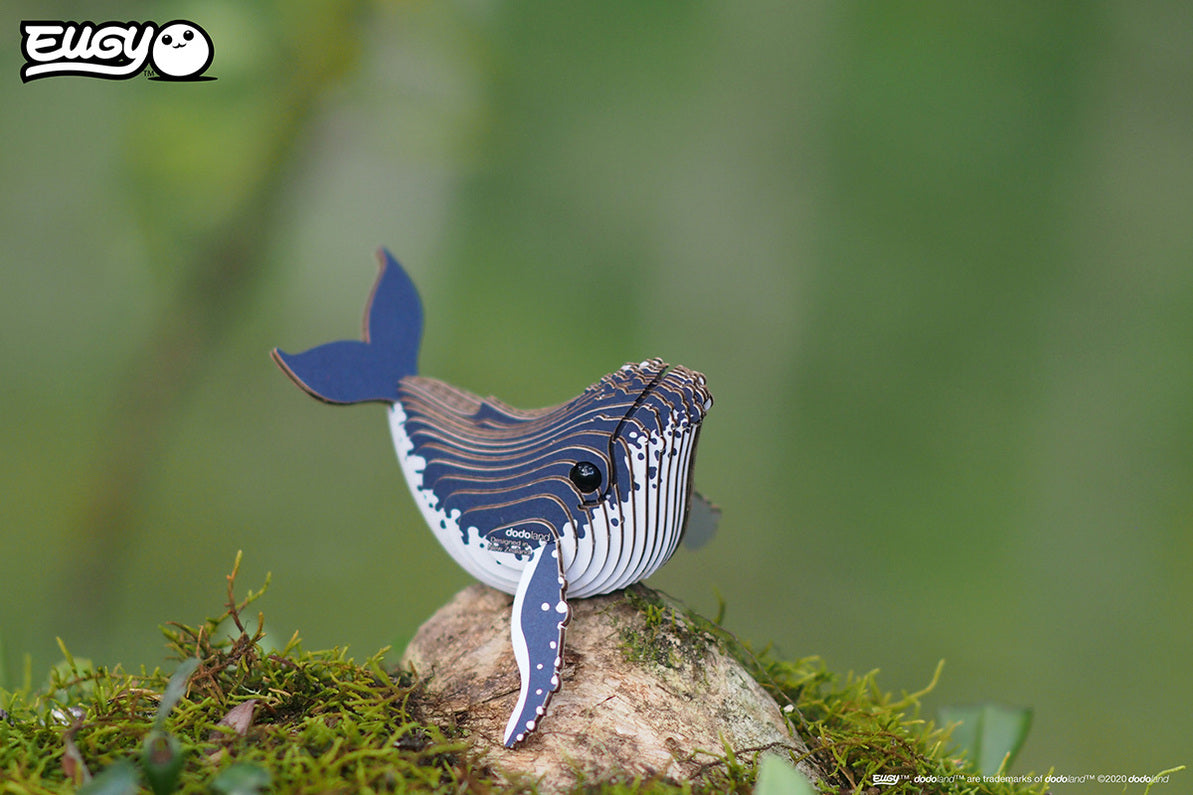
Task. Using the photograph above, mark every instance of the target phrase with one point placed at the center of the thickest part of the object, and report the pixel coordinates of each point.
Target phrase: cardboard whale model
(574, 500)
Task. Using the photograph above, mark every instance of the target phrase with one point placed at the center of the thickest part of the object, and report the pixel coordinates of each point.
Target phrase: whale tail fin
(349, 371)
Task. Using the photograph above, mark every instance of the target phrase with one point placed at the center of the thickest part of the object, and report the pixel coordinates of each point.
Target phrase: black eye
(586, 476)
(188, 34)
(166, 39)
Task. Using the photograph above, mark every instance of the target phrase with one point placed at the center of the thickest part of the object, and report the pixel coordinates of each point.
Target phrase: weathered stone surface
(640, 696)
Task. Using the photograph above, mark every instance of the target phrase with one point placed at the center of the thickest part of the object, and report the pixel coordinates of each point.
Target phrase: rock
(645, 692)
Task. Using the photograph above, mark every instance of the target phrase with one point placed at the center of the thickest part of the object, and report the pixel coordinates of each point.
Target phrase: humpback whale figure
(574, 500)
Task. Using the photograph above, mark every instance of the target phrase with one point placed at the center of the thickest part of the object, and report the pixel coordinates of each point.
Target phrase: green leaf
(175, 688)
(120, 778)
(162, 758)
(241, 779)
(990, 735)
(776, 776)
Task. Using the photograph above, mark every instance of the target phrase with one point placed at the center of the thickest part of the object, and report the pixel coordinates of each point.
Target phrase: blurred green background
(936, 262)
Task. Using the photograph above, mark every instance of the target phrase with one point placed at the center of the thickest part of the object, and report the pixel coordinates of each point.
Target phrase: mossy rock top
(642, 696)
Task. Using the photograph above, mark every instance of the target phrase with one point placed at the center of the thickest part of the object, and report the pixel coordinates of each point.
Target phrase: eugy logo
(179, 50)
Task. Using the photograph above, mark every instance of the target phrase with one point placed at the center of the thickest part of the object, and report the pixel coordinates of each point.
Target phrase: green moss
(323, 722)
(671, 637)
(854, 728)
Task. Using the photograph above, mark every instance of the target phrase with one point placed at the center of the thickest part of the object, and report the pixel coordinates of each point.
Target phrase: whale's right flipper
(356, 372)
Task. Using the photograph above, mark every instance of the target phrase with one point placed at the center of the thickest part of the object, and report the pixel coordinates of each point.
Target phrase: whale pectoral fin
(703, 517)
(537, 627)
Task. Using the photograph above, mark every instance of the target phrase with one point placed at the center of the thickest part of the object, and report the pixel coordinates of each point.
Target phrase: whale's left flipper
(356, 372)
(540, 615)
